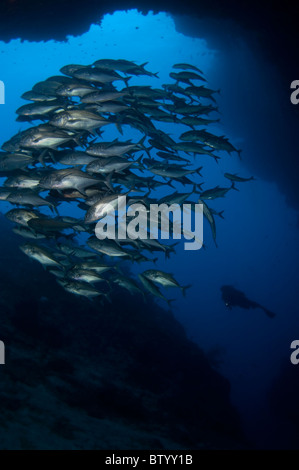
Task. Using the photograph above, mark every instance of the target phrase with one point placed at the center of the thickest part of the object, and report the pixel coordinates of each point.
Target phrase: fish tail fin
(139, 159)
(94, 132)
(169, 183)
(220, 214)
(99, 132)
(41, 157)
(77, 138)
(197, 188)
(234, 187)
(108, 181)
(54, 159)
(54, 209)
(171, 248)
(199, 170)
(126, 79)
(184, 288)
(155, 75)
(141, 142)
(118, 127)
(199, 185)
(70, 236)
(146, 149)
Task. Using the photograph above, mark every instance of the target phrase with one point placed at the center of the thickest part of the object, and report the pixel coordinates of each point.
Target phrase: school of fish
(64, 158)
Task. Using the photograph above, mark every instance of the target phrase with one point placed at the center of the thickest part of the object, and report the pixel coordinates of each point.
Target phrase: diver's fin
(183, 289)
(269, 313)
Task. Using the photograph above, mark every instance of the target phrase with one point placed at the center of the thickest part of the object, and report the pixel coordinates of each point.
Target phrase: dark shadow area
(80, 374)
(256, 66)
(284, 407)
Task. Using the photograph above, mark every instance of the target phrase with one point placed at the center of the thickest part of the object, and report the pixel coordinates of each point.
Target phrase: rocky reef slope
(79, 375)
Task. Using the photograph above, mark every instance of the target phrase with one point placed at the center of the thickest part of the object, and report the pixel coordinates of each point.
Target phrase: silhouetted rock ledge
(43, 20)
(79, 375)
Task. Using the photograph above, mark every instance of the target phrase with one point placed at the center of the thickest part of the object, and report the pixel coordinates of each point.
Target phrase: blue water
(258, 238)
